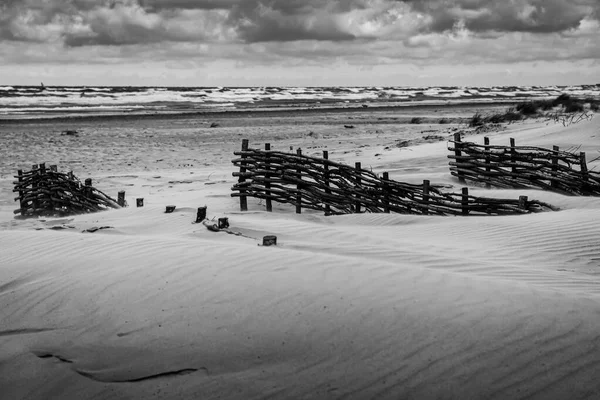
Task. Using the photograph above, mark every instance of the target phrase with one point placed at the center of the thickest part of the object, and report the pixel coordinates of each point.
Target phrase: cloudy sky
(299, 42)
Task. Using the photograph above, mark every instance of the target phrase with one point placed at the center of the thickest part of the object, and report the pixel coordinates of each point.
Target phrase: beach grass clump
(528, 108)
(509, 116)
(533, 108)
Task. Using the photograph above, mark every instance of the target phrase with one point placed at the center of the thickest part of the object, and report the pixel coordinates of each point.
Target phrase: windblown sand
(368, 306)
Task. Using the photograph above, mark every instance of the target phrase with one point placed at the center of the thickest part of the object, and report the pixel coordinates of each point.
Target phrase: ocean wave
(36, 99)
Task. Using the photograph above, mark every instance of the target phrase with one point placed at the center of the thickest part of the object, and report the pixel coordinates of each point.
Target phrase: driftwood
(523, 167)
(47, 192)
(325, 185)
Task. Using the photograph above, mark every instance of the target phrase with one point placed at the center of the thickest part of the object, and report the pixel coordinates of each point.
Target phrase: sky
(299, 42)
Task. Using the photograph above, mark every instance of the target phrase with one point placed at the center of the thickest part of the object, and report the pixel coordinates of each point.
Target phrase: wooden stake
(513, 153)
(139, 202)
(201, 215)
(486, 142)
(243, 198)
(121, 198)
(583, 167)
(21, 193)
(553, 182)
(34, 186)
(523, 202)
(267, 177)
(357, 167)
(457, 153)
(465, 201)
(386, 193)
(326, 178)
(299, 187)
(426, 197)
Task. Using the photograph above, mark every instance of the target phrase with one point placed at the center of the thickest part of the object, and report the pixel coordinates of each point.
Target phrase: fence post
(267, 177)
(513, 154)
(243, 198)
(21, 193)
(386, 193)
(457, 153)
(87, 189)
(486, 142)
(553, 182)
(201, 214)
(584, 171)
(121, 198)
(426, 197)
(523, 202)
(299, 187)
(326, 177)
(465, 201)
(34, 185)
(357, 168)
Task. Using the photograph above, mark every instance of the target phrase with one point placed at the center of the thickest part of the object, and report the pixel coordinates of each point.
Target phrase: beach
(360, 306)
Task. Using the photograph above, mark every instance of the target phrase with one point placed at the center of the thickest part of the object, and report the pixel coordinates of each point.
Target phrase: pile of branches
(324, 185)
(523, 167)
(47, 192)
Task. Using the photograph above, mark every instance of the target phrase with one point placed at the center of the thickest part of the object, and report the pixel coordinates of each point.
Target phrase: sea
(18, 102)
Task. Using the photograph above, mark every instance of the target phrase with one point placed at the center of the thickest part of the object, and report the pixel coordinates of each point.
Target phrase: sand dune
(367, 306)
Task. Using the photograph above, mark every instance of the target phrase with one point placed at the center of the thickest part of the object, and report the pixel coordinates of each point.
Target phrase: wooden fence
(324, 185)
(46, 192)
(523, 167)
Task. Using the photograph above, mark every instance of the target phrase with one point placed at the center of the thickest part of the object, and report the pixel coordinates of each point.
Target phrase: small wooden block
(270, 240)
(170, 209)
(223, 223)
(201, 216)
(139, 202)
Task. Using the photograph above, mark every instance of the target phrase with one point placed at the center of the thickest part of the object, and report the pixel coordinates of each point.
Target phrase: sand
(368, 306)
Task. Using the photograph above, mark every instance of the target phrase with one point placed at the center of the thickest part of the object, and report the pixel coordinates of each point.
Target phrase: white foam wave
(35, 99)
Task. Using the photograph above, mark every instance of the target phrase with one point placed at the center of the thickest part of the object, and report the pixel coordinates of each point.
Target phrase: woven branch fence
(324, 185)
(523, 167)
(47, 192)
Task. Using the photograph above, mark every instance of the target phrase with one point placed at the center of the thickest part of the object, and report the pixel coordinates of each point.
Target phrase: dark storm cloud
(290, 20)
(535, 16)
(188, 4)
(78, 23)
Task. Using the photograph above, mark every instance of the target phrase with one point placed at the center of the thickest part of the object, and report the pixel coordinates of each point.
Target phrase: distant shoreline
(250, 112)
